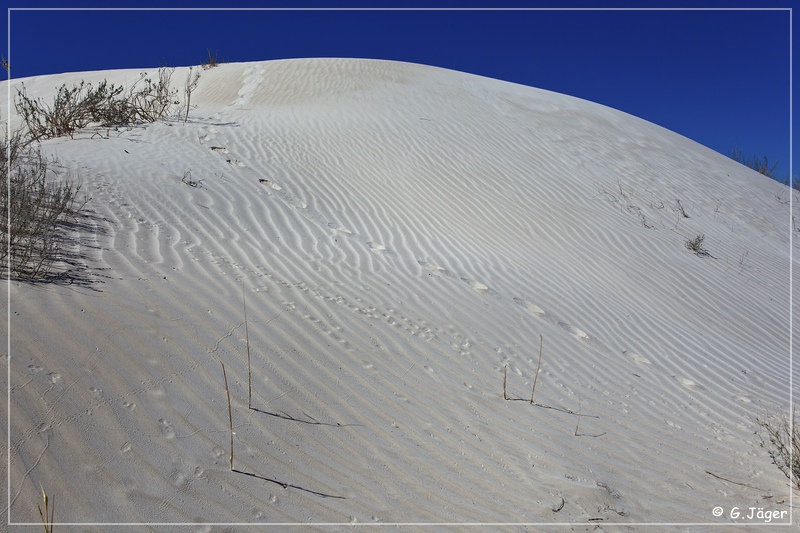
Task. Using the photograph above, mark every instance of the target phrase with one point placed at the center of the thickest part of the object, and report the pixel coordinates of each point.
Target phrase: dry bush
(73, 108)
(153, 100)
(81, 105)
(756, 163)
(33, 210)
(780, 436)
(189, 86)
(212, 61)
(696, 245)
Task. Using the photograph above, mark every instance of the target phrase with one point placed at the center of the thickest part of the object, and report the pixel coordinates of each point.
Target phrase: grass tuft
(49, 510)
(696, 245)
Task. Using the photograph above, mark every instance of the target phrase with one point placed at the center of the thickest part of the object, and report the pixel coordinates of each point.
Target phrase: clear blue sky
(720, 77)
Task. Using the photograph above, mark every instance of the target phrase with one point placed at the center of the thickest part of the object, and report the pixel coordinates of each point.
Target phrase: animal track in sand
(166, 429)
(218, 452)
(540, 313)
(436, 270)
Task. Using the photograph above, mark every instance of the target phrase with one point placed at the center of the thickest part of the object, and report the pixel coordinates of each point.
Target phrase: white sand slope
(402, 233)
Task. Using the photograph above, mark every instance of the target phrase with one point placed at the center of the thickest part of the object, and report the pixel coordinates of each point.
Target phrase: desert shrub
(83, 104)
(696, 245)
(780, 436)
(756, 163)
(153, 100)
(33, 210)
(73, 108)
(192, 78)
(212, 60)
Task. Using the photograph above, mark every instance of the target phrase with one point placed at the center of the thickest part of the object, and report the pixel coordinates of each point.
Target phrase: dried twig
(734, 482)
(49, 511)
(505, 368)
(230, 411)
(533, 389)
(247, 341)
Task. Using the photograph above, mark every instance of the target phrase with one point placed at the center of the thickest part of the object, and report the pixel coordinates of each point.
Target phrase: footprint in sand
(535, 309)
(575, 331)
(434, 269)
(638, 359)
(218, 452)
(689, 384)
(209, 134)
(166, 429)
(126, 448)
(269, 183)
(224, 150)
(336, 227)
(480, 287)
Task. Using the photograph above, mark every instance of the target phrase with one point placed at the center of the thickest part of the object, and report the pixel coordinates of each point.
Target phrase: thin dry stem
(48, 513)
(538, 366)
(505, 369)
(230, 411)
(247, 341)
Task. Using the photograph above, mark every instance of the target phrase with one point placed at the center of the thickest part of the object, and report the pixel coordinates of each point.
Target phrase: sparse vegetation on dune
(84, 104)
(212, 60)
(759, 164)
(424, 339)
(34, 210)
(696, 245)
(780, 436)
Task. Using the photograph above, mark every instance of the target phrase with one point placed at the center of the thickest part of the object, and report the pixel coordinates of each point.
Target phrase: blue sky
(720, 77)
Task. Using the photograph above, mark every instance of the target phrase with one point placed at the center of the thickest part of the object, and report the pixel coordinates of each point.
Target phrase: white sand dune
(402, 233)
